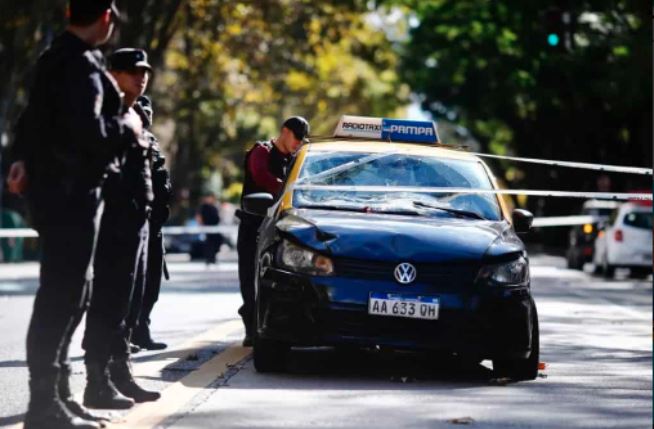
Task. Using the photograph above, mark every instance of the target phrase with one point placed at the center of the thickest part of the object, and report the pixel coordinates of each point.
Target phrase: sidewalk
(177, 262)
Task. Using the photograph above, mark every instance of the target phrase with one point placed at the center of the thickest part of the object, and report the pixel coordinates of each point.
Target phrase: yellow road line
(153, 368)
(148, 415)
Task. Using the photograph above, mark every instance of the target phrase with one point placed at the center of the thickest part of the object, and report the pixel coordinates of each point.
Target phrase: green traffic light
(553, 39)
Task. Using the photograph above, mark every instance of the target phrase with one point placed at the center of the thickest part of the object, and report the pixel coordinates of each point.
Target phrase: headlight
(304, 260)
(514, 273)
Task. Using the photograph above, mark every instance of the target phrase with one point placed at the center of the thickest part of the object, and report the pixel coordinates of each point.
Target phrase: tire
(522, 369)
(640, 273)
(269, 355)
(574, 262)
(608, 270)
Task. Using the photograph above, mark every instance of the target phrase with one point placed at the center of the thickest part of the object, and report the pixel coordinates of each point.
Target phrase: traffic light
(555, 27)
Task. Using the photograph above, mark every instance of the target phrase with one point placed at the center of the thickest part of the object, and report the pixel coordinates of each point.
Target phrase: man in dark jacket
(208, 215)
(266, 166)
(72, 128)
(122, 249)
(162, 189)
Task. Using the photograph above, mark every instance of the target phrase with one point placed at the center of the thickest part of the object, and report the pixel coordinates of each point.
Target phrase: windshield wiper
(329, 207)
(465, 213)
(363, 209)
(344, 167)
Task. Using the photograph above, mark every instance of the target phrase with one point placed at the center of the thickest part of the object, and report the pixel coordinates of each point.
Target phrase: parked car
(406, 269)
(581, 239)
(626, 241)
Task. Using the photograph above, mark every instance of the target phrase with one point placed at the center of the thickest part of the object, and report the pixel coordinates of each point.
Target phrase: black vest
(277, 165)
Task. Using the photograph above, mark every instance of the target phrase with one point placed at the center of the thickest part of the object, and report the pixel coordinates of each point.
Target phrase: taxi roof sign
(397, 130)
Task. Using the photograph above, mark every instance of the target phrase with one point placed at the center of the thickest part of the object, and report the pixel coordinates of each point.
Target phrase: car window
(638, 220)
(399, 169)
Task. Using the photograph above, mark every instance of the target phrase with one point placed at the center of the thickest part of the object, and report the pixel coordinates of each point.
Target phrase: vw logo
(405, 273)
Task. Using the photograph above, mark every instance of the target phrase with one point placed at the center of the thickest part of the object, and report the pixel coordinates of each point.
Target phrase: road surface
(596, 341)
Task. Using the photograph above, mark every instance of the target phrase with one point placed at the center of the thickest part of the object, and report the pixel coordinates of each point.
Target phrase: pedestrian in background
(208, 215)
(266, 167)
(156, 264)
(122, 250)
(70, 131)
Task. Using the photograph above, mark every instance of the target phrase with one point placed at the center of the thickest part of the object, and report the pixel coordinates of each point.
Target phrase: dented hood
(389, 237)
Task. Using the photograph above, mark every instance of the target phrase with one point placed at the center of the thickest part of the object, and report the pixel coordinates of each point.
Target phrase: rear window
(639, 220)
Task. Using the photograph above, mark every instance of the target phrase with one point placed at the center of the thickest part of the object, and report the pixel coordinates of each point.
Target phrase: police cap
(298, 126)
(85, 9)
(127, 59)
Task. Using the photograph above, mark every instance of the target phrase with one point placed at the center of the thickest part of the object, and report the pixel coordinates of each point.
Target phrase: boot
(121, 375)
(100, 392)
(69, 401)
(142, 338)
(47, 411)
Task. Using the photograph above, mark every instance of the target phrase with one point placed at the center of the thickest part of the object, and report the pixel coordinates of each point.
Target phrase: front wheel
(269, 355)
(608, 270)
(522, 369)
(640, 273)
(574, 262)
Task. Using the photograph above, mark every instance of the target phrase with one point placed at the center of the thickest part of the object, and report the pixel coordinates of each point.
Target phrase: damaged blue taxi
(385, 237)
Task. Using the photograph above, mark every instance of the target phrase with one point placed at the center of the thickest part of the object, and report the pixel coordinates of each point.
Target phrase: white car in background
(626, 241)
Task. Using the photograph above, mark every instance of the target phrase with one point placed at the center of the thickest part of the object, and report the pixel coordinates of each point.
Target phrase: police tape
(572, 164)
(547, 221)
(167, 230)
(615, 196)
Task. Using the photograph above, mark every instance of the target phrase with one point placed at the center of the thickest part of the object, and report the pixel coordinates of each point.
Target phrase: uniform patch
(97, 106)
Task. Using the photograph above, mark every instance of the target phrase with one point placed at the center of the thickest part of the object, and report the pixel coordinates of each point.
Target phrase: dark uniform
(265, 170)
(162, 189)
(122, 251)
(69, 133)
(210, 216)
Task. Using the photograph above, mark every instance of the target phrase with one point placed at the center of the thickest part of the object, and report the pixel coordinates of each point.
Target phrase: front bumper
(314, 311)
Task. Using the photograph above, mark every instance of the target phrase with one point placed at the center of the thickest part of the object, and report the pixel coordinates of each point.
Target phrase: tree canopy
(488, 66)
(227, 72)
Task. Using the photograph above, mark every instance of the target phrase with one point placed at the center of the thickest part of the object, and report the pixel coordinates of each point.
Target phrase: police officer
(122, 249)
(266, 166)
(162, 189)
(70, 131)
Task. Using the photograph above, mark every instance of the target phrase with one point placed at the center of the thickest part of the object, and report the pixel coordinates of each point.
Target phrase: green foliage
(238, 68)
(490, 64)
(227, 72)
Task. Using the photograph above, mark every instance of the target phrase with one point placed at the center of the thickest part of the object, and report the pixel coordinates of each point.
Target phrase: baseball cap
(298, 126)
(127, 59)
(91, 8)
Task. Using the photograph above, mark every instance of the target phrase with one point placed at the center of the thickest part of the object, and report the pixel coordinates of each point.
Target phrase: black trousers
(121, 252)
(212, 243)
(246, 246)
(68, 239)
(153, 275)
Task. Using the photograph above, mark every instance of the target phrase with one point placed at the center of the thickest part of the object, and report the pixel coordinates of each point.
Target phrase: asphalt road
(596, 339)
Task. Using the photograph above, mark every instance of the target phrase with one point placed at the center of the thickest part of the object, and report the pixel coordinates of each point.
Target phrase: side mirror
(522, 220)
(258, 203)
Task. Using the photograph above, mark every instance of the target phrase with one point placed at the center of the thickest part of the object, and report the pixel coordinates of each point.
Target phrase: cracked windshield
(396, 170)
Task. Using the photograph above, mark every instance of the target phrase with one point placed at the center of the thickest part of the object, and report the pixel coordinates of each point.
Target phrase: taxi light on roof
(402, 130)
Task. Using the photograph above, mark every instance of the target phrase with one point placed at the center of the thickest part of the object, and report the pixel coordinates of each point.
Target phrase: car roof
(636, 206)
(601, 204)
(375, 146)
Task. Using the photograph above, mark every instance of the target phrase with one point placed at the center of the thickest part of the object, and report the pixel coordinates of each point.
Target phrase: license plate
(395, 305)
